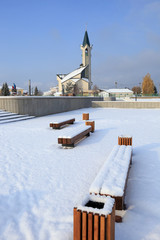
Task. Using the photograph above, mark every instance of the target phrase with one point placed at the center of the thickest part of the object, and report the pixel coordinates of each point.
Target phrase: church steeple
(86, 57)
(86, 39)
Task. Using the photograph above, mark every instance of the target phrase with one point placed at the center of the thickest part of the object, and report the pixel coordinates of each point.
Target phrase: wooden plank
(78, 227)
(64, 141)
(113, 223)
(92, 124)
(60, 140)
(102, 227)
(119, 203)
(75, 223)
(96, 227)
(85, 116)
(51, 124)
(90, 226)
(84, 225)
(81, 135)
(108, 227)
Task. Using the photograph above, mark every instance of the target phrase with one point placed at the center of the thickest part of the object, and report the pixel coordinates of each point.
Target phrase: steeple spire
(86, 39)
(86, 58)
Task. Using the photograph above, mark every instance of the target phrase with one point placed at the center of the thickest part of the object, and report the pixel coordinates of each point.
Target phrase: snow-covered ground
(40, 182)
(140, 99)
(148, 99)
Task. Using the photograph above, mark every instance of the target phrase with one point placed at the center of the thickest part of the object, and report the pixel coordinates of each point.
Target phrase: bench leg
(68, 145)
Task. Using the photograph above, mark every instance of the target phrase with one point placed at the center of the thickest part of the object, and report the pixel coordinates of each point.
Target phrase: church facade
(81, 77)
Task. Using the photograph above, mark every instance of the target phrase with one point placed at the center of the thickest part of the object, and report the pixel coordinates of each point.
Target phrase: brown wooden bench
(58, 125)
(74, 136)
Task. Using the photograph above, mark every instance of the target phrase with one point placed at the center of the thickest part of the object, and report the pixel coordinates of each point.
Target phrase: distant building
(20, 91)
(51, 92)
(80, 77)
(115, 92)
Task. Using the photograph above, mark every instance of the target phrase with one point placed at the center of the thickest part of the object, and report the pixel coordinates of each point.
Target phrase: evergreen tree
(69, 87)
(36, 91)
(155, 90)
(76, 90)
(5, 90)
(147, 85)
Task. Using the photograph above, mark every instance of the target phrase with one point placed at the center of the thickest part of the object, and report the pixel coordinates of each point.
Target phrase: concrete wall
(40, 106)
(118, 104)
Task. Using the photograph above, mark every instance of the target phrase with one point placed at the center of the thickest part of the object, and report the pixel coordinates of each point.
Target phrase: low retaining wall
(118, 104)
(41, 106)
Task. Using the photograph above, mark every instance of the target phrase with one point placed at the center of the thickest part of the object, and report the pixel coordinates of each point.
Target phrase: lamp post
(29, 87)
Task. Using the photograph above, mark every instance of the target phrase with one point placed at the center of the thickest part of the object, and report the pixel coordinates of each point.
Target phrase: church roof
(86, 40)
(73, 74)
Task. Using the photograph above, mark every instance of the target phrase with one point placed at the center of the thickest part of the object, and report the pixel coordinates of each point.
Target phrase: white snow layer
(108, 204)
(73, 131)
(40, 182)
(111, 179)
(60, 121)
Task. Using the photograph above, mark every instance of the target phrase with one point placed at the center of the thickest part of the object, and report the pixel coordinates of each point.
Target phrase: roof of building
(73, 74)
(86, 39)
(120, 90)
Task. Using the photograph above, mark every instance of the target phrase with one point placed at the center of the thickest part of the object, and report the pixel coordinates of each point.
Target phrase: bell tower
(86, 57)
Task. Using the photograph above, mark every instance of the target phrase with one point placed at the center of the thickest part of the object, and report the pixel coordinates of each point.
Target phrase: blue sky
(40, 38)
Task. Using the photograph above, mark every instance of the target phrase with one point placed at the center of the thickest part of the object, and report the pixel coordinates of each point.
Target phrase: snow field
(41, 183)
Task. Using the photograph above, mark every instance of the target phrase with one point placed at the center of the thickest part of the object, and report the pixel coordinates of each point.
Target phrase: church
(81, 77)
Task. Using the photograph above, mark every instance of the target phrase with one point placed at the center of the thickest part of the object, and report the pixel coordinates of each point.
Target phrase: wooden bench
(125, 140)
(85, 116)
(58, 125)
(112, 178)
(91, 123)
(73, 136)
(94, 218)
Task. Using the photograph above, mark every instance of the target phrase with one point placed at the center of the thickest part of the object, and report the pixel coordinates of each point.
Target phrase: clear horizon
(40, 39)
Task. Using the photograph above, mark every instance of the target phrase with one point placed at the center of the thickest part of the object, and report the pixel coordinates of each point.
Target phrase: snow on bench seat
(70, 137)
(112, 178)
(58, 124)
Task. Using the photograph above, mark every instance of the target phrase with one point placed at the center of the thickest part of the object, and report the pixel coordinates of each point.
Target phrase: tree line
(6, 92)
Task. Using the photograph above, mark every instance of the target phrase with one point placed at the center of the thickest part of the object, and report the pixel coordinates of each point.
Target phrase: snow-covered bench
(112, 178)
(74, 135)
(58, 125)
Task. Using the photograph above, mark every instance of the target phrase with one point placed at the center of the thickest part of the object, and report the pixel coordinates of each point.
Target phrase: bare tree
(95, 90)
(136, 90)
